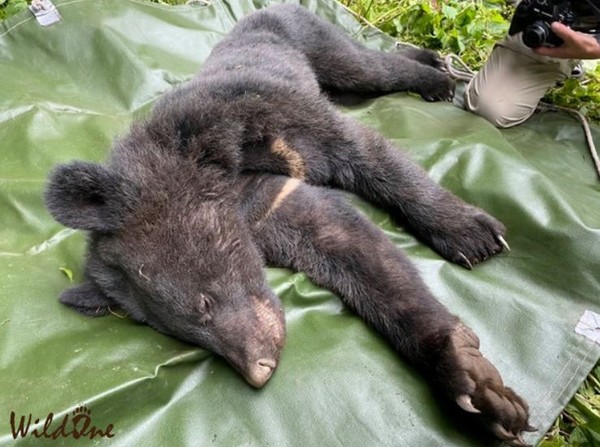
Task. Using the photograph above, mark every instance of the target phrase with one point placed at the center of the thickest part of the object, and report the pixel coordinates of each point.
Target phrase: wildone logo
(76, 425)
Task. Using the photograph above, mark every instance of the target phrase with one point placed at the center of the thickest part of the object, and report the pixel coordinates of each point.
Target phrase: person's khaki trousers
(506, 91)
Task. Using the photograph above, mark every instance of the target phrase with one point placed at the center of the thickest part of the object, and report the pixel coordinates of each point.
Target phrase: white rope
(202, 2)
(586, 129)
(457, 68)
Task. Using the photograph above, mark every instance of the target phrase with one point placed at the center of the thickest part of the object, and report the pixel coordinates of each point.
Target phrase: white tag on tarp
(589, 326)
(45, 12)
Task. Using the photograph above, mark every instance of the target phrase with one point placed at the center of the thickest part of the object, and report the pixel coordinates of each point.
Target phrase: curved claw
(519, 442)
(508, 437)
(502, 433)
(503, 242)
(464, 402)
(466, 260)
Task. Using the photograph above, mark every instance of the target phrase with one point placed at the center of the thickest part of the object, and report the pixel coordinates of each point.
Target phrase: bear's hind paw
(476, 387)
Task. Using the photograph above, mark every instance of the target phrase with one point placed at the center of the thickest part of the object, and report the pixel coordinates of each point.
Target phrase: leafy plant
(467, 28)
(11, 7)
(583, 95)
(579, 424)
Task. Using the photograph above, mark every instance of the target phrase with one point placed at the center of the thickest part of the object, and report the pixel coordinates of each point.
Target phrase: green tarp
(67, 90)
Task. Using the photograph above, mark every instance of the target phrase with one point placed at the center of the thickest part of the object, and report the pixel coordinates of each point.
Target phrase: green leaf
(14, 6)
(559, 441)
(67, 272)
(448, 11)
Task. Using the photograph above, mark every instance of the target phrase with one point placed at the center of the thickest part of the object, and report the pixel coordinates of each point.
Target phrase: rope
(586, 129)
(202, 2)
(457, 68)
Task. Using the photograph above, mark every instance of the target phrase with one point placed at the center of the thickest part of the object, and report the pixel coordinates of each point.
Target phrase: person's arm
(577, 45)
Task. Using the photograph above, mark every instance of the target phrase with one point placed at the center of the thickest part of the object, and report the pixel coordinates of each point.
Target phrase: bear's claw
(503, 242)
(466, 261)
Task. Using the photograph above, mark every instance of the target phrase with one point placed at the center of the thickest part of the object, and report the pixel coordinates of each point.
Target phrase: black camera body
(534, 17)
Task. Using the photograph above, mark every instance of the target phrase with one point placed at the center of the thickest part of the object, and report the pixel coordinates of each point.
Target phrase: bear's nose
(260, 372)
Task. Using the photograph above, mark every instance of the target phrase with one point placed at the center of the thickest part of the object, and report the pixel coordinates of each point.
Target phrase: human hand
(577, 45)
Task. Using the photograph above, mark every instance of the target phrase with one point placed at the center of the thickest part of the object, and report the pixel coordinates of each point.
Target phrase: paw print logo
(81, 419)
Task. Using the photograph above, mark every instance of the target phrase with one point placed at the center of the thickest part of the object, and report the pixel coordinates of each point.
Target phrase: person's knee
(502, 112)
(508, 88)
(504, 115)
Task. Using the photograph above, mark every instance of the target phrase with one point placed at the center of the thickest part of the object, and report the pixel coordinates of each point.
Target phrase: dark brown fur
(195, 199)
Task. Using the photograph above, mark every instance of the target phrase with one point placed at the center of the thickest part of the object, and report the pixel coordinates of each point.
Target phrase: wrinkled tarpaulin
(67, 90)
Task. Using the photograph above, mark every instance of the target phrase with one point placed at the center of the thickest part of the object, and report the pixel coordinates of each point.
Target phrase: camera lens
(536, 34)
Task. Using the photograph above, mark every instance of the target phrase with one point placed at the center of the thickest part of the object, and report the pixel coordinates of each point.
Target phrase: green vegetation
(579, 424)
(466, 28)
(11, 7)
(469, 28)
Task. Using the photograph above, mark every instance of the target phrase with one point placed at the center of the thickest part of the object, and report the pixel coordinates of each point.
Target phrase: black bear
(228, 173)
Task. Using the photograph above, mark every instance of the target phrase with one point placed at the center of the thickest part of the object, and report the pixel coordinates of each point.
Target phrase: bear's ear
(87, 196)
(87, 299)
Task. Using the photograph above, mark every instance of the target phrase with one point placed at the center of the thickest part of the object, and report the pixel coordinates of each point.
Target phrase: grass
(469, 28)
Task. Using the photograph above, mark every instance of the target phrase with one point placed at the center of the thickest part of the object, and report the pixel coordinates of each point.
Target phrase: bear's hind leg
(342, 64)
(315, 231)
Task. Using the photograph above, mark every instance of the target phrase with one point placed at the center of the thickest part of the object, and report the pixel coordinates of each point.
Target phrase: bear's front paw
(467, 235)
(476, 386)
(424, 56)
(436, 85)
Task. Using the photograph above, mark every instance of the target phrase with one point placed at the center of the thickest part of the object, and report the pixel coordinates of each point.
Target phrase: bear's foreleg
(381, 173)
(336, 150)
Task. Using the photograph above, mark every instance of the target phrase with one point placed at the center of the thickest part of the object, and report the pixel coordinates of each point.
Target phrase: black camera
(534, 17)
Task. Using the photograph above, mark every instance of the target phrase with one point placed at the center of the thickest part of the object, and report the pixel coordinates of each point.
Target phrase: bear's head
(169, 246)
